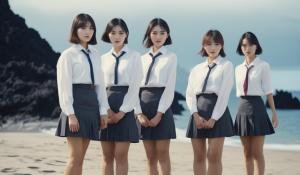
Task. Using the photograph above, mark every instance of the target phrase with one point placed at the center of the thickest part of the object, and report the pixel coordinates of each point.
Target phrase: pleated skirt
(252, 118)
(126, 129)
(149, 101)
(222, 128)
(86, 109)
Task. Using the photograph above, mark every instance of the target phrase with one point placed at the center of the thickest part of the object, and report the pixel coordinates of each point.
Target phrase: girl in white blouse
(81, 91)
(156, 96)
(253, 80)
(122, 73)
(207, 95)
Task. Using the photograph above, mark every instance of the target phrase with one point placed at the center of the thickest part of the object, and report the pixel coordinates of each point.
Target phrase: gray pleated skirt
(149, 101)
(252, 118)
(86, 109)
(222, 128)
(126, 129)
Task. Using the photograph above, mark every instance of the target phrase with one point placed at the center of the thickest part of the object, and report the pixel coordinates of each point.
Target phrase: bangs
(85, 23)
(212, 37)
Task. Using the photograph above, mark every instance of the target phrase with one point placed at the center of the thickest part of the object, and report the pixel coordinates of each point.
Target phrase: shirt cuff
(124, 109)
(137, 110)
(193, 110)
(215, 117)
(69, 111)
(103, 111)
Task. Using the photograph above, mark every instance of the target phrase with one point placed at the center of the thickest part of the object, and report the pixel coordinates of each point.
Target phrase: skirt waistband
(207, 95)
(117, 88)
(250, 97)
(84, 86)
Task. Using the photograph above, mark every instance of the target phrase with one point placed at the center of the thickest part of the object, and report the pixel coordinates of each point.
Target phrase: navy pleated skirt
(222, 128)
(252, 118)
(149, 101)
(126, 129)
(86, 109)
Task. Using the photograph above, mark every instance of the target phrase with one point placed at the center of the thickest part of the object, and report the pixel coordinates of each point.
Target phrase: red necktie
(246, 80)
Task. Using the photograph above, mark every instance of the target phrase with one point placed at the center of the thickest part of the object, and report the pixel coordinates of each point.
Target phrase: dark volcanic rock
(176, 107)
(27, 70)
(285, 100)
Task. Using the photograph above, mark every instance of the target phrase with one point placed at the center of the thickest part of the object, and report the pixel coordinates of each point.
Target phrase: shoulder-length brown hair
(80, 21)
(109, 27)
(215, 36)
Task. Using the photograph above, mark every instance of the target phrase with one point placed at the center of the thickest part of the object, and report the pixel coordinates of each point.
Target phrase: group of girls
(122, 97)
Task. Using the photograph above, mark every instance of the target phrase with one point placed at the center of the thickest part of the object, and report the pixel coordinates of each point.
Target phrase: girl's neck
(250, 59)
(211, 59)
(84, 45)
(117, 49)
(155, 49)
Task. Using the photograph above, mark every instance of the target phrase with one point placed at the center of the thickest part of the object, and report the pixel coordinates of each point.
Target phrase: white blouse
(129, 74)
(220, 82)
(163, 74)
(73, 68)
(259, 78)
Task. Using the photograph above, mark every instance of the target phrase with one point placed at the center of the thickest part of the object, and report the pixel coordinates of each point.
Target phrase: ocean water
(286, 137)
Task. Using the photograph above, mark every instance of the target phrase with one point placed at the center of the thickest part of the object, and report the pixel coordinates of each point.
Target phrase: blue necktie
(207, 75)
(151, 65)
(117, 65)
(91, 66)
(245, 85)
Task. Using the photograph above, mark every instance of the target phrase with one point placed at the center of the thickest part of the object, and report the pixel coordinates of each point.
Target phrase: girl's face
(212, 49)
(158, 36)
(248, 49)
(117, 36)
(85, 33)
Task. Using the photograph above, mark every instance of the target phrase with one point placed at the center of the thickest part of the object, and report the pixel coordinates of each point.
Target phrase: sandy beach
(38, 153)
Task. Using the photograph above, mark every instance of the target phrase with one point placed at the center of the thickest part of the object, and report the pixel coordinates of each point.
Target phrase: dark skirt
(252, 118)
(126, 129)
(86, 109)
(222, 128)
(149, 101)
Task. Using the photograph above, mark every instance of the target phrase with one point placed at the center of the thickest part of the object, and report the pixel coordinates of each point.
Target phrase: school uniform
(122, 74)
(81, 91)
(207, 93)
(157, 93)
(252, 82)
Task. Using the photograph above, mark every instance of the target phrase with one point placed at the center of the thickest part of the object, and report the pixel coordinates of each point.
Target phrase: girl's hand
(210, 123)
(156, 119)
(118, 116)
(143, 120)
(275, 120)
(111, 116)
(103, 121)
(199, 121)
(73, 123)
